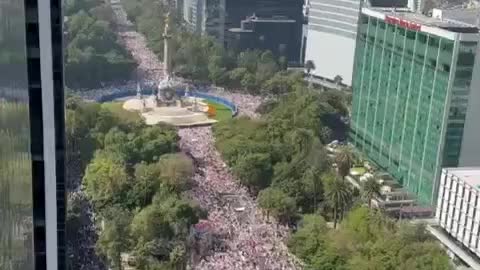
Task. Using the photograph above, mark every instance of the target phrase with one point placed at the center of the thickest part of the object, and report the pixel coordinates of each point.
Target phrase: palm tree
(309, 66)
(338, 193)
(344, 160)
(338, 80)
(371, 188)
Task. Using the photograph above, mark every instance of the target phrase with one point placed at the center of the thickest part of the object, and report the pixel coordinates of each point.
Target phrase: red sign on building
(403, 23)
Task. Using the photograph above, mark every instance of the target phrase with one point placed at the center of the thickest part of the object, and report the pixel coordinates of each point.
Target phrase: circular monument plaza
(183, 111)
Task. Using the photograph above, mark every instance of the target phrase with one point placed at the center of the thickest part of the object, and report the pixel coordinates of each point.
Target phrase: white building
(458, 206)
(332, 30)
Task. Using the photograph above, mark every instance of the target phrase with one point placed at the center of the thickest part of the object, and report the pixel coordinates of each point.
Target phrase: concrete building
(205, 17)
(458, 205)
(470, 145)
(216, 17)
(413, 94)
(331, 36)
(332, 33)
(463, 15)
(279, 35)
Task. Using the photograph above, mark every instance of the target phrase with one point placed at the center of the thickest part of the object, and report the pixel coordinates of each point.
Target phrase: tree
(309, 238)
(236, 75)
(309, 66)
(282, 82)
(338, 195)
(266, 67)
(371, 188)
(345, 160)
(178, 257)
(93, 55)
(312, 183)
(105, 180)
(115, 236)
(160, 229)
(146, 183)
(274, 201)
(151, 223)
(167, 216)
(249, 60)
(176, 171)
(338, 79)
(152, 142)
(254, 170)
(248, 82)
(216, 73)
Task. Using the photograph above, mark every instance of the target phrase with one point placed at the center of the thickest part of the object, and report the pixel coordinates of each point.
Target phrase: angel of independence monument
(164, 105)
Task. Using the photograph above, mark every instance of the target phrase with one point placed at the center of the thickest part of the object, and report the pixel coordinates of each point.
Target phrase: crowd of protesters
(243, 238)
(247, 241)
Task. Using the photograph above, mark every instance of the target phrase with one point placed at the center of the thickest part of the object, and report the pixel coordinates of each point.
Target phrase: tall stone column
(166, 47)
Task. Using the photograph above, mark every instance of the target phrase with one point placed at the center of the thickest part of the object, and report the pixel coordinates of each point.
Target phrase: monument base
(172, 115)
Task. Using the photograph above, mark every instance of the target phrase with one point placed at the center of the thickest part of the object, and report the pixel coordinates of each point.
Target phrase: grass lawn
(358, 170)
(117, 109)
(223, 112)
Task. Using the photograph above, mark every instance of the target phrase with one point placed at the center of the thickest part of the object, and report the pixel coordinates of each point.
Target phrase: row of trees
(281, 158)
(366, 240)
(93, 55)
(134, 177)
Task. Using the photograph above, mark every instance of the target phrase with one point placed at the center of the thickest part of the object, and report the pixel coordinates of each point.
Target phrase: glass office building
(216, 17)
(32, 197)
(412, 82)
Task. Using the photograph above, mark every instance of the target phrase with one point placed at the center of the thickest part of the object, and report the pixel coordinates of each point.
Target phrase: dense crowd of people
(248, 241)
(149, 66)
(81, 253)
(246, 104)
(244, 240)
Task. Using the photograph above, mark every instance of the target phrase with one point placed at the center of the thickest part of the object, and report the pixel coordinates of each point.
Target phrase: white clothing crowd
(247, 240)
(244, 239)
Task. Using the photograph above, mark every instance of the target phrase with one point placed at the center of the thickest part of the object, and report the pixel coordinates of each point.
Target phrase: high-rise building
(32, 197)
(458, 211)
(279, 35)
(192, 16)
(236, 11)
(332, 34)
(205, 17)
(458, 207)
(216, 17)
(412, 89)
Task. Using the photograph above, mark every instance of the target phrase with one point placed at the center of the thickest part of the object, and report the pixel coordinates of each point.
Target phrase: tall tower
(166, 47)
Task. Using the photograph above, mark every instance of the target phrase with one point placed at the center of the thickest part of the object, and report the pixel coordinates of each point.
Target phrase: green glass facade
(410, 91)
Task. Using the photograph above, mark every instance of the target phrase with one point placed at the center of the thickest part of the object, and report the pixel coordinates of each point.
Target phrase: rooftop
(240, 30)
(450, 25)
(470, 175)
(272, 20)
(465, 15)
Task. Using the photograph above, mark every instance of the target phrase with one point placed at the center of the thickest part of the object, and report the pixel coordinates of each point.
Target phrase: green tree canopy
(115, 236)
(366, 240)
(93, 55)
(274, 201)
(105, 180)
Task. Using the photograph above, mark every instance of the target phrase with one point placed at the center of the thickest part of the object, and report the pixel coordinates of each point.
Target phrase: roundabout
(187, 112)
